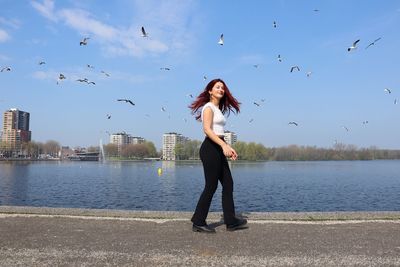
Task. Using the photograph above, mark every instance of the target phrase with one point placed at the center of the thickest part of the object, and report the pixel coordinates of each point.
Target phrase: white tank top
(218, 119)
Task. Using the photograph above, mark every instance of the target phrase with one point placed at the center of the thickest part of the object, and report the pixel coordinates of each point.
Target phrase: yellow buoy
(159, 171)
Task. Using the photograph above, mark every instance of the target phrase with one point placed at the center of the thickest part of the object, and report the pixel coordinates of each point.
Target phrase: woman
(215, 101)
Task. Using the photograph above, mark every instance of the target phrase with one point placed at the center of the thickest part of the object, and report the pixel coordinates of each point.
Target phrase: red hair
(227, 103)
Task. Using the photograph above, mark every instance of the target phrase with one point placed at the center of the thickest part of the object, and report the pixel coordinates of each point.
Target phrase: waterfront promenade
(84, 237)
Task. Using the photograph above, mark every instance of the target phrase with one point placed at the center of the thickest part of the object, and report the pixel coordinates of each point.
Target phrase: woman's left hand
(234, 155)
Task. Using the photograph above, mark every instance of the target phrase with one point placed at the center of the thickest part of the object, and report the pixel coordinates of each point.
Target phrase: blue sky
(345, 88)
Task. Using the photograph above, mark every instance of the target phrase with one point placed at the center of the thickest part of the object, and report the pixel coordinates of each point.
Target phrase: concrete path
(82, 237)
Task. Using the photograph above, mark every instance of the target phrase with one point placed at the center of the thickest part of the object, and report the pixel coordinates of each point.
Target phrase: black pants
(216, 168)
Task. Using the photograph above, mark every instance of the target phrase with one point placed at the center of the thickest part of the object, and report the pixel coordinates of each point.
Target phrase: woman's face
(217, 91)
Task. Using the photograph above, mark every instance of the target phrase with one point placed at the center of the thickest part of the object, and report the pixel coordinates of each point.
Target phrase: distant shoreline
(180, 161)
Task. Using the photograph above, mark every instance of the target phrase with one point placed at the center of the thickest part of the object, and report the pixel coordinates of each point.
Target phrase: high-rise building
(15, 128)
(170, 140)
(230, 137)
(125, 139)
(119, 138)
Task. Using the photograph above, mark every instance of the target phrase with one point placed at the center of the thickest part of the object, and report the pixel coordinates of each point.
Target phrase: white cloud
(166, 23)
(13, 23)
(4, 58)
(4, 36)
(46, 9)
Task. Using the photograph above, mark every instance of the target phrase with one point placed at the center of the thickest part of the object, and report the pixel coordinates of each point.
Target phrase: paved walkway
(82, 237)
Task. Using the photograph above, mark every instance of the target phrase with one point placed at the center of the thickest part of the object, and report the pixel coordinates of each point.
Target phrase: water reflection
(14, 178)
(265, 186)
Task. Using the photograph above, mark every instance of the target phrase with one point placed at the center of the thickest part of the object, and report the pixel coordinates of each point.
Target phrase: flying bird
(293, 123)
(89, 66)
(84, 41)
(316, 10)
(256, 65)
(41, 63)
(294, 68)
(127, 101)
(190, 95)
(5, 69)
(84, 80)
(387, 90)
(395, 101)
(354, 46)
(144, 33)
(344, 127)
(105, 73)
(365, 122)
(251, 120)
(61, 77)
(309, 73)
(165, 69)
(108, 116)
(274, 24)
(255, 103)
(373, 43)
(163, 109)
(204, 78)
(279, 58)
(221, 40)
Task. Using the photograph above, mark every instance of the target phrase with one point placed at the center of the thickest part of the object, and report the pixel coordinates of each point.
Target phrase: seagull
(127, 101)
(84, 41)
(294, 67)
(344, 127)
(279, 58)
(354, 46)
(105, 73)
(144, 33)
(91, 83)
(274, 24)
(309, 73)
(376, 40)
(108, 116)
(221, 39)
(41, 63)
(387, 90)
(294, 123)
(5, 69)
(84, 80)
(61, 77)
(255, 103)
(165, 69)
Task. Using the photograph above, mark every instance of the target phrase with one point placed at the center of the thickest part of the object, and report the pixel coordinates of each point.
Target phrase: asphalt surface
(82, 237)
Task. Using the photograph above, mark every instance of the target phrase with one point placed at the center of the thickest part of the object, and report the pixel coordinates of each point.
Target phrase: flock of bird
(258, 103)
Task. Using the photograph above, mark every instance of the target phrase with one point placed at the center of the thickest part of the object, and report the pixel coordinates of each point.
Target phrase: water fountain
(102, 155)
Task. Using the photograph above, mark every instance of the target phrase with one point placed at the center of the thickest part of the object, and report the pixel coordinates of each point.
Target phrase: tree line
(131, 151)
(190, 151)
(256, 151)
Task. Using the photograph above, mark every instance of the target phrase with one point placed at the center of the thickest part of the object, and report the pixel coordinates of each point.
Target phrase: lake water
(265, 186)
